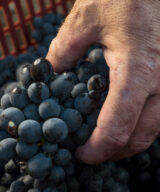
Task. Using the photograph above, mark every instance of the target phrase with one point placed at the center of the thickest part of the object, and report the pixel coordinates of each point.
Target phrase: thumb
(119, 114)
(78, 32)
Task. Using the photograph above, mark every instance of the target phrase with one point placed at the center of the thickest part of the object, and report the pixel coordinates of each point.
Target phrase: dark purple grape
(85, 70)
(85, 104)
(19, 97)
(37, 92)
(24, 75)
(97, 83)
(40, 166)
(41, 70)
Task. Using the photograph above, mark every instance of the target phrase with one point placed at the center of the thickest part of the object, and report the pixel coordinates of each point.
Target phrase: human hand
(129, 31)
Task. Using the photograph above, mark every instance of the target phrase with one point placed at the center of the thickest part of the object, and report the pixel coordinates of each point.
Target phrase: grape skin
(37, 168)
(73, 119)
(55, 130)
(11, 114)
(37, 92)
(7, 149)
(29, 131)
(49, 108)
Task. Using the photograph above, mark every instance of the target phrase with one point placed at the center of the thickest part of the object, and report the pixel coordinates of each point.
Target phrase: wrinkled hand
(129, 30)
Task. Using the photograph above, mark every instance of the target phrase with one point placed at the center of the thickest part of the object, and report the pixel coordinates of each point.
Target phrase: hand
(129, 30)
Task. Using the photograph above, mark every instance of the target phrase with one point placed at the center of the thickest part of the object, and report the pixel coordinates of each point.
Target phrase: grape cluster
(43, 119)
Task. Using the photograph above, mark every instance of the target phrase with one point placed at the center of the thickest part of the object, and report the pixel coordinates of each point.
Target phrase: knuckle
(113, 139)
(119, 140)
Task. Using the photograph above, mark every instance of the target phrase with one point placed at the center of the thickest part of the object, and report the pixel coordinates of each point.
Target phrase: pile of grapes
(45, 116)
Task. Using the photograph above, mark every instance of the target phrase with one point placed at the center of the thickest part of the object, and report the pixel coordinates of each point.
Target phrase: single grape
(38, 92)
(38, 22)
(25, 76)
(7, 149)
(62, 157)
(55, 130)
(19, 97)
(72, 118)
(19, 70)
(25, 150)
(29, 131)
(97, 83)
(31, 112)
(61, 87)
(49, 108)
(85, 104)
(71, 75)
(47, 29)
(41, 70)
(11, 114)
(17, 186)
(85, 70)
(78, 89)
(57, 174)
(36, 34)
(97, 58)
(5, 101)
(40, 166)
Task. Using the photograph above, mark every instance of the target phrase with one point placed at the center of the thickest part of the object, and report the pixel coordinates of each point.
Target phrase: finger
(146, 131)
(119, 114)
(78, 32)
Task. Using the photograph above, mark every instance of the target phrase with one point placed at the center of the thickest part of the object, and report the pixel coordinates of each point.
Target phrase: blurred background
(16, 22)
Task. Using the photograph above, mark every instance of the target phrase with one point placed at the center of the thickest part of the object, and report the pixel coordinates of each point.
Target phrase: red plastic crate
(16, 18)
